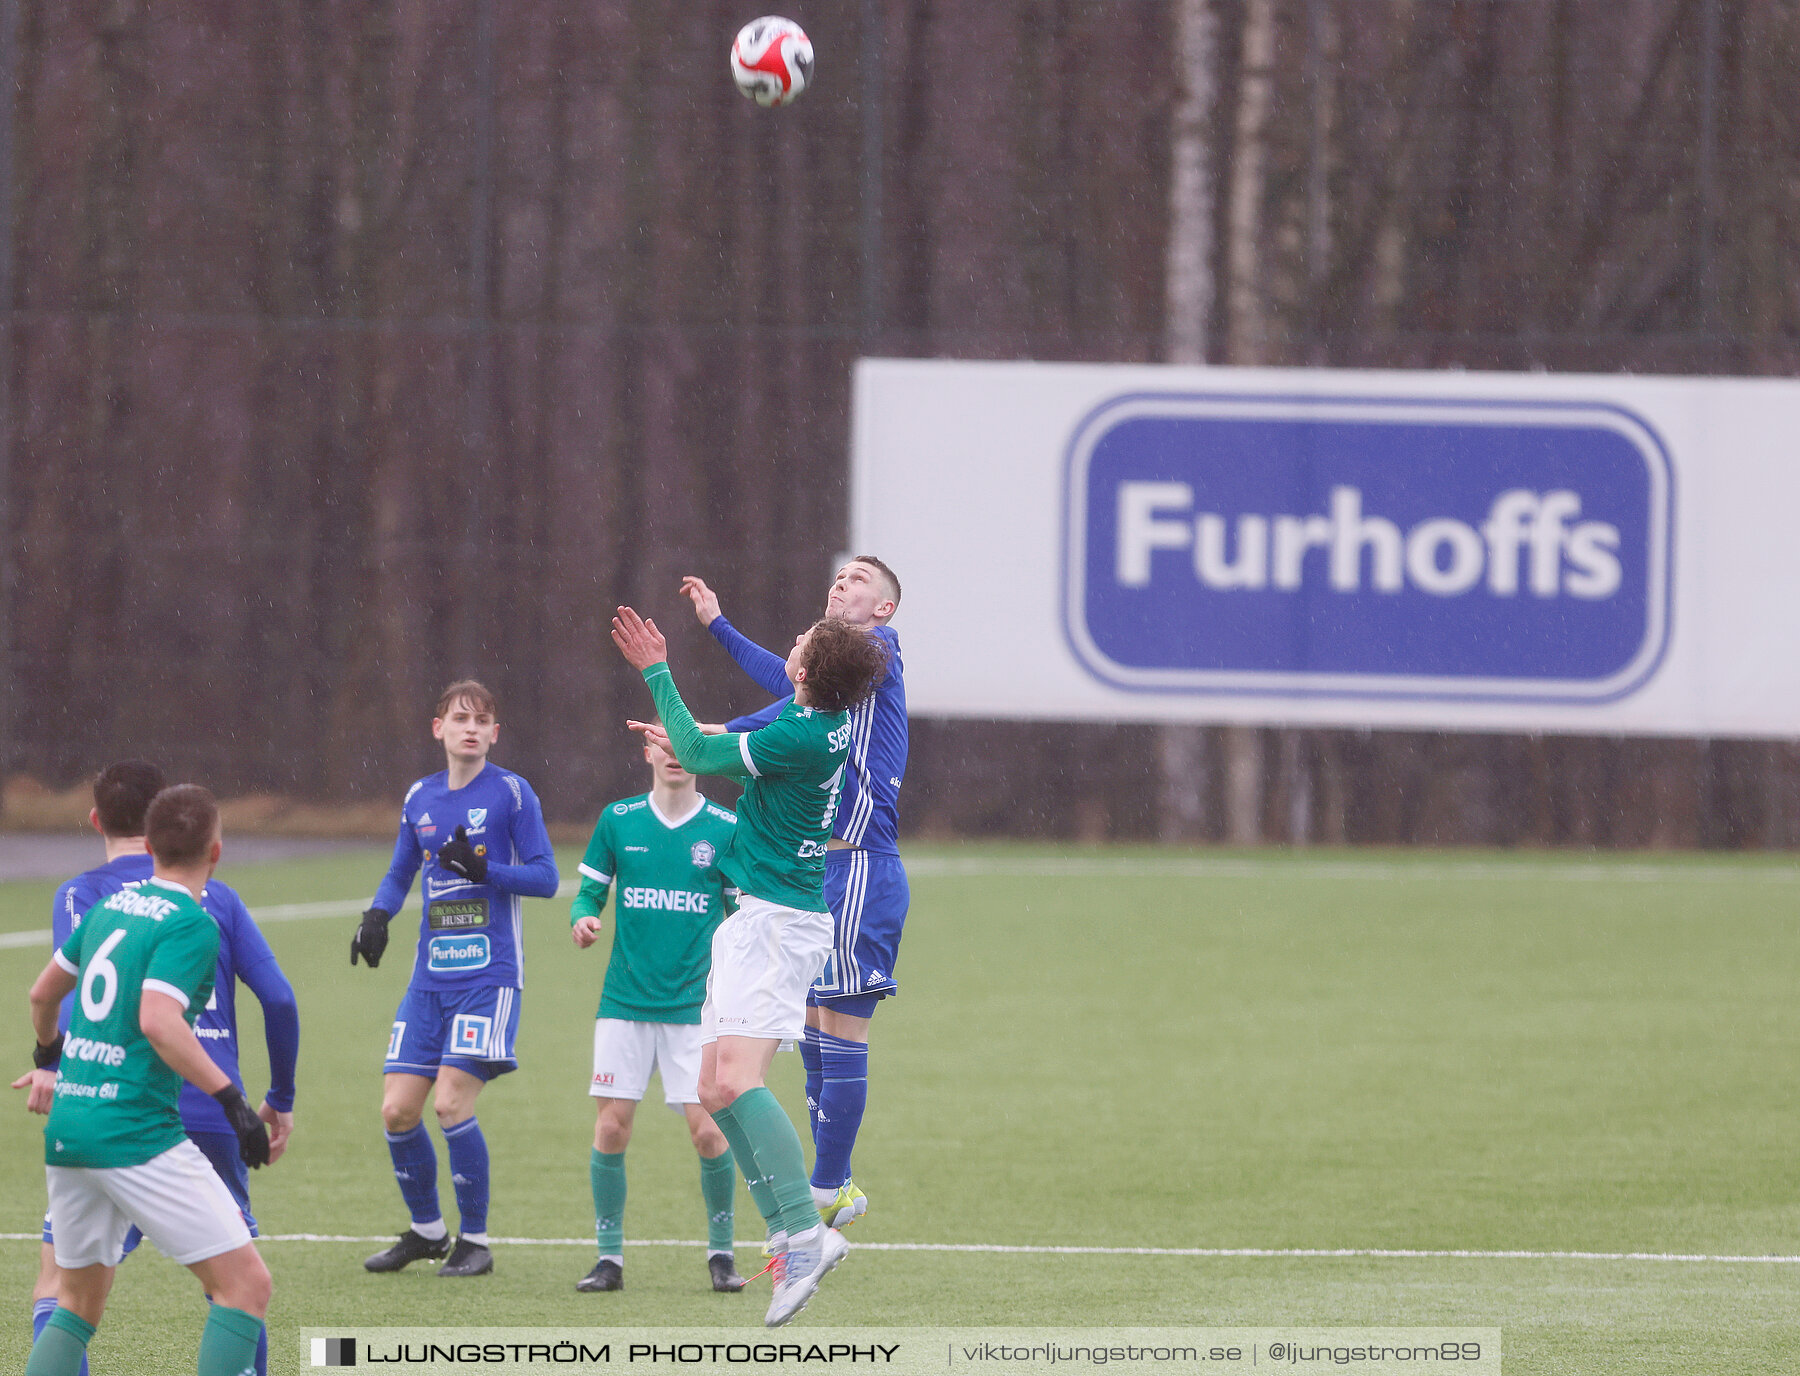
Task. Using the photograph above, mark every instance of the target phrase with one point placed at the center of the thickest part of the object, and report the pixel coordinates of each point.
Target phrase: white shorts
(176, 1199)
(764, 958)
(626, 1052)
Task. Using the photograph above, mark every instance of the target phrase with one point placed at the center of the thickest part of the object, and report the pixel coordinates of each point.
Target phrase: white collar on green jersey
(672, 822)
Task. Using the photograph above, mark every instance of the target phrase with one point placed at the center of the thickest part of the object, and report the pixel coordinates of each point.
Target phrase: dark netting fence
(352, 347)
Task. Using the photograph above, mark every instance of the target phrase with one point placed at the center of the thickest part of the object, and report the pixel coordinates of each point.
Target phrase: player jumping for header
(459, 1018)
(865, 883)
(766, 955)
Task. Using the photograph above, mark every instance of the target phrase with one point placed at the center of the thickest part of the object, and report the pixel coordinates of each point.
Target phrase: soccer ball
(771, 60)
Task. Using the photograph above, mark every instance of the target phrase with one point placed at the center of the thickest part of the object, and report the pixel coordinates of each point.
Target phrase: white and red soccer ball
(771, 60)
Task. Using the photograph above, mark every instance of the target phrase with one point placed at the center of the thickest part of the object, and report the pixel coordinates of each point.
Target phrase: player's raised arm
(646, 651)
(764, 666)
(705, 600)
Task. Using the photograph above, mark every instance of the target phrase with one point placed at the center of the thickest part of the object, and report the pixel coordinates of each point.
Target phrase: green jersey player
(115, 1152)
(767, 953)
(659, 853)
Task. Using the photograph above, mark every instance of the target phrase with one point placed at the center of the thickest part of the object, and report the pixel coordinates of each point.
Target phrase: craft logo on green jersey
(704, 853)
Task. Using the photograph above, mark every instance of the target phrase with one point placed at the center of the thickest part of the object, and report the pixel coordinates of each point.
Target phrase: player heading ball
(767, 953)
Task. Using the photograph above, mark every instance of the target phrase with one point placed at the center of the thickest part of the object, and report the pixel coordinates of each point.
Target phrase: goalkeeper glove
(459, 857)
(371, 937)
(252, 1135)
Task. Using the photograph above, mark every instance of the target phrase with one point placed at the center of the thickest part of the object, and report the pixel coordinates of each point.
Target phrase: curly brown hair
(843, 664)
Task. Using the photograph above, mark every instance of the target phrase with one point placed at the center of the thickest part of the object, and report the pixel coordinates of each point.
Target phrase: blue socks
(415, 1167)
(469, 1173)
(843, 1094)
(815, 1077)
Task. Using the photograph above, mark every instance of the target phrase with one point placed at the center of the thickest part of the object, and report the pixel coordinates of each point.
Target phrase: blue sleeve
(397, 882)
(62, 922)
(755, 721)
(258, 968)
(535, 873)
(767, 668)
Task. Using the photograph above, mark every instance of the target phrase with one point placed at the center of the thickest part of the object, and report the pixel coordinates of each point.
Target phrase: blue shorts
(221, 1149)
(472, 1030)
(868, 897)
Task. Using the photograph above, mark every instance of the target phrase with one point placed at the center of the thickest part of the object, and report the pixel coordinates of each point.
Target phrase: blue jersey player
(478, 832)
(865, 883)
(122, 796)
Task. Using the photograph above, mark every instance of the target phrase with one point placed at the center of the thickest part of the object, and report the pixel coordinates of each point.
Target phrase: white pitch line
(269, 912)
(1275, 1253)
(1150, 867)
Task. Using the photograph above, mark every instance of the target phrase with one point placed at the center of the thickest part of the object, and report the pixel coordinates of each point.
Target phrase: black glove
(371, 937)
(459, 857)
(252, 1135)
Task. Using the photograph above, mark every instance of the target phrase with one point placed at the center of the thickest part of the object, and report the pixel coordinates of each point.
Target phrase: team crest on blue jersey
(477, 816)
(703, 853)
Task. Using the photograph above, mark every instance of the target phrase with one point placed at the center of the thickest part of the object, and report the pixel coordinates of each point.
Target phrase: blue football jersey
(868, 812)
(469, 934)
(243, 954)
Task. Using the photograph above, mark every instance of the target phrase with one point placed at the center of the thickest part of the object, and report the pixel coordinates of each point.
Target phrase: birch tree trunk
(1246, 306)
(1183, 750)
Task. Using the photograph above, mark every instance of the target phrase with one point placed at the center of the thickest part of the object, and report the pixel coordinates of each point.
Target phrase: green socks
(606, 1173)
(718, 1187)
(61, 1346)
(228, 1343)
(761, 1193)
(769, 1140)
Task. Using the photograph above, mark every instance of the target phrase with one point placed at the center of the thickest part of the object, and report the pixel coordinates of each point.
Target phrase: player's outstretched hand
(371, 937)
(280, 1126)
(705, 600)
(586, 931)
(253, 1137)
(653, 734)
(459, 857)
(42, 1084)
(638, 640)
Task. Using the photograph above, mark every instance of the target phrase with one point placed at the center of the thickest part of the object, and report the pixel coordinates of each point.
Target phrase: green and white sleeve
(698, 752)
(597, 869)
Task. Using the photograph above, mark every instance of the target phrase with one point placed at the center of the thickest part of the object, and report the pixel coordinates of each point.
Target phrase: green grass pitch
(1442, 1052)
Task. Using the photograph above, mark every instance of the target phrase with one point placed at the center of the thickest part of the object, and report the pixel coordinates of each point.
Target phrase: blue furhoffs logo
(1368, 547)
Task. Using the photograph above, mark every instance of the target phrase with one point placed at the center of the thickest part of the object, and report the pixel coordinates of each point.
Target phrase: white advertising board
(1465, 551)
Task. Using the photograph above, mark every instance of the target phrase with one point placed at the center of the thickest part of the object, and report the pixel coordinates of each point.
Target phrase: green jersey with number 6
(671, 899)
(794, 768)
(116, 1098)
